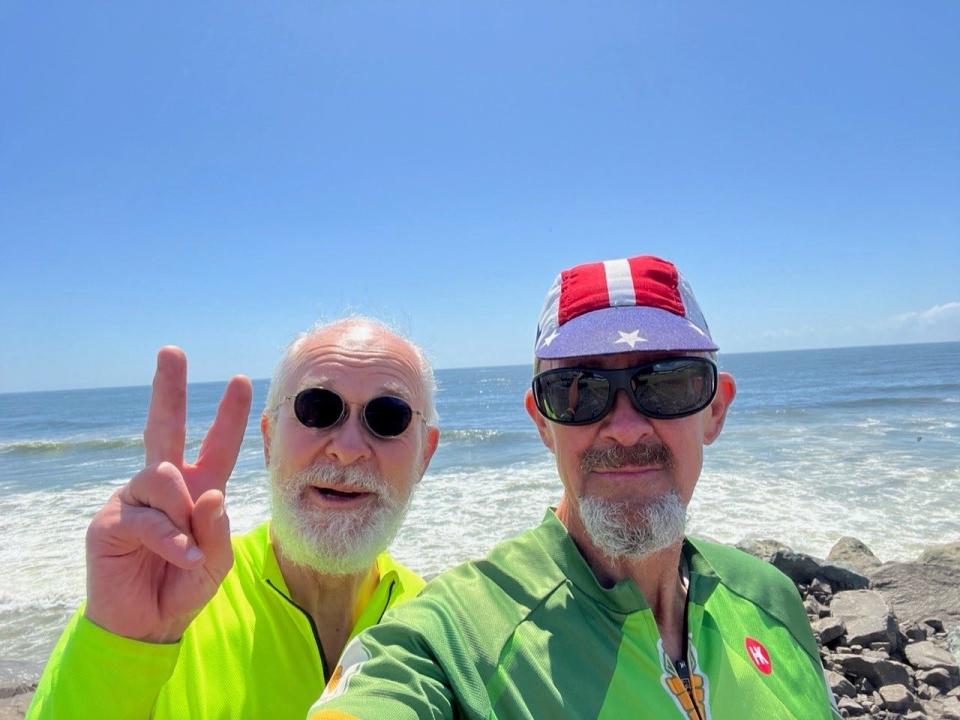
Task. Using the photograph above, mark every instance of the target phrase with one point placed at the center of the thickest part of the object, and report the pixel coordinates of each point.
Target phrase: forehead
(615, 360)
(359, 363)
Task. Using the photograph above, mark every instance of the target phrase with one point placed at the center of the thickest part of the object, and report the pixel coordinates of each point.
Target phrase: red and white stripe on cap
(637, 286)
(645, 280)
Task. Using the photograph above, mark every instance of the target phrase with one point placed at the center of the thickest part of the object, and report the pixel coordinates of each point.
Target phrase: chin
(631, 528)
(334, 542)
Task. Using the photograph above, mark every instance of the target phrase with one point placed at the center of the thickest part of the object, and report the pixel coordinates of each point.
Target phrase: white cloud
(939, 323)
(929, 318)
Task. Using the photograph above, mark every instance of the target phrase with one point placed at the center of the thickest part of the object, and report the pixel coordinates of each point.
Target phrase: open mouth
(340, 495)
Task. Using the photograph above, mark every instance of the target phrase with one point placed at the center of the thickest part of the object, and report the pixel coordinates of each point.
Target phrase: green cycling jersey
(529, 633)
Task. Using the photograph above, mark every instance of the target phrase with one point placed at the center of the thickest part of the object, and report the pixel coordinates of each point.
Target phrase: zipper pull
(683, 672)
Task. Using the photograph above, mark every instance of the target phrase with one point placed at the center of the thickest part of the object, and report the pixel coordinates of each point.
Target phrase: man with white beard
(179, 620)
(607, 609)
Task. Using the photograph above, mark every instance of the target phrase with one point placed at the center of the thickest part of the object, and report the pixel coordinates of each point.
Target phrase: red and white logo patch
(758, 655)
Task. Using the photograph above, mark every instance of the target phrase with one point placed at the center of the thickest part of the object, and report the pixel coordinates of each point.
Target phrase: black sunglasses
(385, 416)
(665, 389)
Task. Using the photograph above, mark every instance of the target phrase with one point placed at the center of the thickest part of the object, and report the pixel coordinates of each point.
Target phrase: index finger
(165, 433)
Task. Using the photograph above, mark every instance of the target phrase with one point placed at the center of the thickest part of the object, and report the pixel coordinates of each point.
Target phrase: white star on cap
(550, 338)
(630, 338)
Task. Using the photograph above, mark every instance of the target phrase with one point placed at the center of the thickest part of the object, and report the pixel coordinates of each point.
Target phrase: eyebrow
(311, 381)
(397, 389)
(389, 388)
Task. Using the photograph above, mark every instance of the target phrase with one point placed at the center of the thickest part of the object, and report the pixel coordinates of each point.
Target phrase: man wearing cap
(180, 622)
(606, 610)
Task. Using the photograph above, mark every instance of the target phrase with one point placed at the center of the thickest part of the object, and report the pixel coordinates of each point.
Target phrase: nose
(348, 442)
(624, 424)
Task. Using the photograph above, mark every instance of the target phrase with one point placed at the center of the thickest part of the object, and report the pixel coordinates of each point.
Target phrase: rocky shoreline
(14, 701)
(889, 633)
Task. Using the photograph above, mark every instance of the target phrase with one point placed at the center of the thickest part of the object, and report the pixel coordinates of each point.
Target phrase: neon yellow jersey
(529, 633)
(250, 653)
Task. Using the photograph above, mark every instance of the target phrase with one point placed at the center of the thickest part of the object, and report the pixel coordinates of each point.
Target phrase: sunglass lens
(387, 416)
(572, 396)
(318, 408)
(674, 388)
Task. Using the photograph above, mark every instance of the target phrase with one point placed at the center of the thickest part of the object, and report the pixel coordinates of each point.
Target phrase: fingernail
(219, 513)
(194, 554)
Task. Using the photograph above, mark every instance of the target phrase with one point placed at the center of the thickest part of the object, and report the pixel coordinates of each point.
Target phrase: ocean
(818, 444)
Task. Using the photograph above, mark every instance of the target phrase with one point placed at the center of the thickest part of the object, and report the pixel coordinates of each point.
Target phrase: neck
(657, 575)
(334, 602)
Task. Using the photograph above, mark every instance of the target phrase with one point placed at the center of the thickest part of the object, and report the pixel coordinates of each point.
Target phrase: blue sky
(220, 175)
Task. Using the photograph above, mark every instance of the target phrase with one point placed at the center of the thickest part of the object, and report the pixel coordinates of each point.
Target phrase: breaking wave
(69, 445)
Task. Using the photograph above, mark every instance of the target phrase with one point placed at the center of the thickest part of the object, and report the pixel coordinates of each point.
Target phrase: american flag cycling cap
(641, 303)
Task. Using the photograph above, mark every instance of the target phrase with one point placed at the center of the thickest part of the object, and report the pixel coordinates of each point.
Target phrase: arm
(156, 553)
(388, 672)
(91, 668)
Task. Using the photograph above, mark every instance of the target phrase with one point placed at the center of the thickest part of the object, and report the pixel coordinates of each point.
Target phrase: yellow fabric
(250, 652)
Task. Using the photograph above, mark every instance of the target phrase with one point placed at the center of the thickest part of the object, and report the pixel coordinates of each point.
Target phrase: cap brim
(624, 329)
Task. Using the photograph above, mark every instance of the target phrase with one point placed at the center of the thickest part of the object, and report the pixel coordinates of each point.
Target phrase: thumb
(211, 530)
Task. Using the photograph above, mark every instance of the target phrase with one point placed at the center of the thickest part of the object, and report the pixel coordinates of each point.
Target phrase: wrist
(168, 634)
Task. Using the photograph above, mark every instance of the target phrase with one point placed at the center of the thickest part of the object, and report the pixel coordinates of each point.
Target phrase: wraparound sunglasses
(665, 389)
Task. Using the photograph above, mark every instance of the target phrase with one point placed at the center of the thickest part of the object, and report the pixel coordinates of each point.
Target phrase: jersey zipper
(682, 668)
(313, 628)
(386, 605)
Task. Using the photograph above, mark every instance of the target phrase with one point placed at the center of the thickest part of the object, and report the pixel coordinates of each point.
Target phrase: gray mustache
(618, 456)
(325, 474)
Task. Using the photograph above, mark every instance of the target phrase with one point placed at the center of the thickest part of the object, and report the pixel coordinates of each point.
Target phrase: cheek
(688, 458)
(291, 447)
(569, 444)
(398, 461)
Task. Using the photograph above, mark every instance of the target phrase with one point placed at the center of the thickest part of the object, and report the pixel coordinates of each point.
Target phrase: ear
(265, 431)
(429, 448)
(543, 425)
(717, 412)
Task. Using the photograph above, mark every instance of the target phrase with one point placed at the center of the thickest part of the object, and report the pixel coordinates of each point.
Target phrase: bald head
(355, 333)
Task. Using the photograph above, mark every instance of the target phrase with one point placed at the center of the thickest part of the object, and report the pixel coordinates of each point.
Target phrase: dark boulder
(803, 568)
(880, 671)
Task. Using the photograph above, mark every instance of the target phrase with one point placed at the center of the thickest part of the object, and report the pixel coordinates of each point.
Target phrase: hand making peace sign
(159, 548)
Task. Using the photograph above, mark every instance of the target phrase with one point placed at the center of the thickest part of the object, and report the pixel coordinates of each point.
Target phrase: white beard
(335, 542)
(622, 529)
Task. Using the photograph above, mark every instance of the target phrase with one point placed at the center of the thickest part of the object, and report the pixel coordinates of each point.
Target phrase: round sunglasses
(384, 417)
(665, 389)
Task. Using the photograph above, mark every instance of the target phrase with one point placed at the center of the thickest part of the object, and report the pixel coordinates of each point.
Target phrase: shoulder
(408, 583)
(481, 602)
(740, 569)
(517, 574)
(760, 583)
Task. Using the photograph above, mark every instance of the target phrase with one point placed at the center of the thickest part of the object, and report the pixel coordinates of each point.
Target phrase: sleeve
(388, 672)
(91, 671)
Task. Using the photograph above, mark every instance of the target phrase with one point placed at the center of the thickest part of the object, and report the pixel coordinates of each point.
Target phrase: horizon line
(482, 367)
